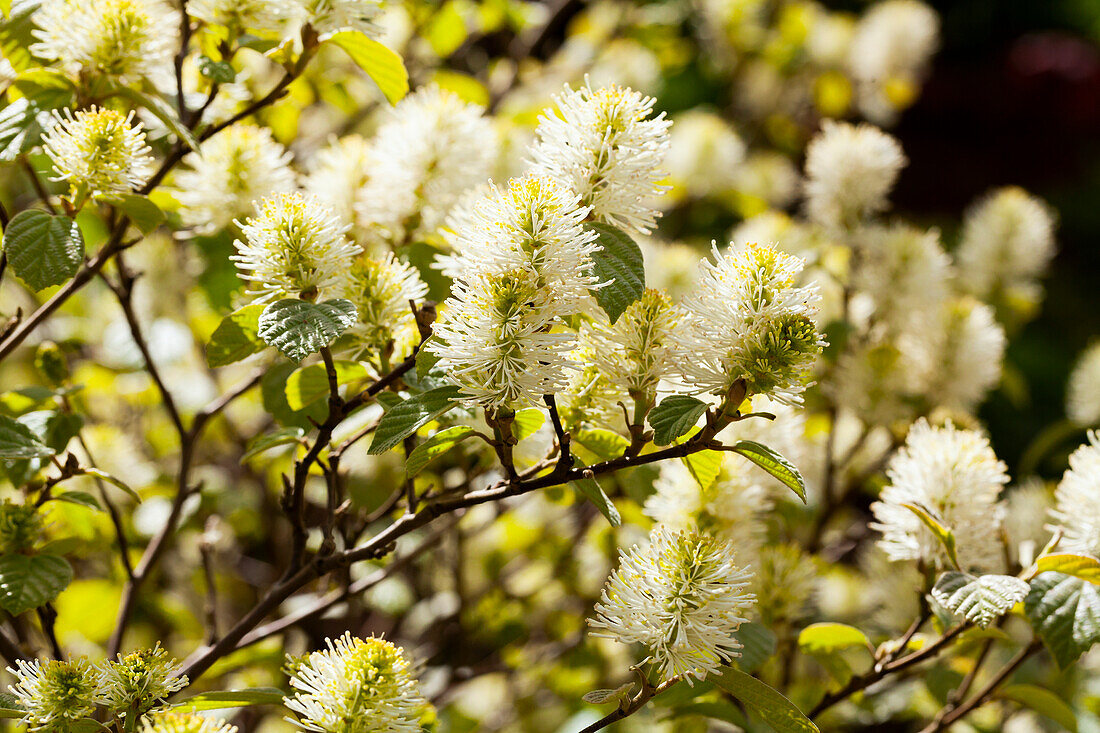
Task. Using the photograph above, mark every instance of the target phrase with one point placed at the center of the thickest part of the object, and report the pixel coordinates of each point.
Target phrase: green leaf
(299, 328)
(282, 436)
(1065, 612)
(704, 466)
(1079, 566)
(231, 699)
(80, 498)
(43, 249)
(676, 415)
(758, 644)
(979, 599)
(1042, 701)
(941, 533)
(236, 337)
(604, 444)
(406, 418)
(220, 71)
(19, 441)
(828, 638)
(31, 581)
(142, 212)
(595, 493)
(381, 64)
(766, 702)
(773, 463)
(10, 714)
(434, 446)
(308, 384)
(620, 263)
(604, 696)
(23, 121)
(162, 111)
(527, 422)
(425, 360)
(114, 481)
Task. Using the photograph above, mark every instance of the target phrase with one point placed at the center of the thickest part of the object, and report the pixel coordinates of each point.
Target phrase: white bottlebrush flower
(184, 723)
(681, 596)
(493, 338)
(338, 173)
(236, 169)
(263, 16)
(954, 475)
(330, 16)
(54, 693)
(381, 289)
(642, 347)
(905, 272)
(294, 246)
(850, 171)
(534, 225)
(969, 347)
(889, 55)
(433, 148)
(355, 685)
(136, 682)
(98, 150)
(126, 39)
(732, 507)
(601, 145)
(749, 321)
(704, 153)
(1083, 388)
(1007, 242)
(1077, 500)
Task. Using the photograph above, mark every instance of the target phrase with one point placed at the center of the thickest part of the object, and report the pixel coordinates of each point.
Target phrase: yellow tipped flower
(20, 527)
(184, 723)
(98, 150)
(54, 693)
(134, 683)
(355, 686)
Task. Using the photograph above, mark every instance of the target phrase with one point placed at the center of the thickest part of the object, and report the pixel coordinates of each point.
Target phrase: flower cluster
(128, 40)
(234, 169)
(954, 475)
(355, 685)
(604, 145)
(294, 246)
(750, 321)
(21, 527)
(54, 693)
(184, 723)
(381, 291)
(681, 596)
(98, 150)
(850, 170)
(1077, 500)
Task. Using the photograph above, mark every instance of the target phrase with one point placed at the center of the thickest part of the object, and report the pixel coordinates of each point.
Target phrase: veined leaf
(405, 418)
(1042, 701)
(19, 441)
(382, 65)
(527, 421)
(434, 446)
(604, 444)
(236, 337)
(676, 415)
(283, 436)
(1065, 612)
(31, 581)
(595, 493)
(979, 599)
(299, 328)
(773, 463)
(620, 264)
(769, 704)
(43, 249)
(1079, 566)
